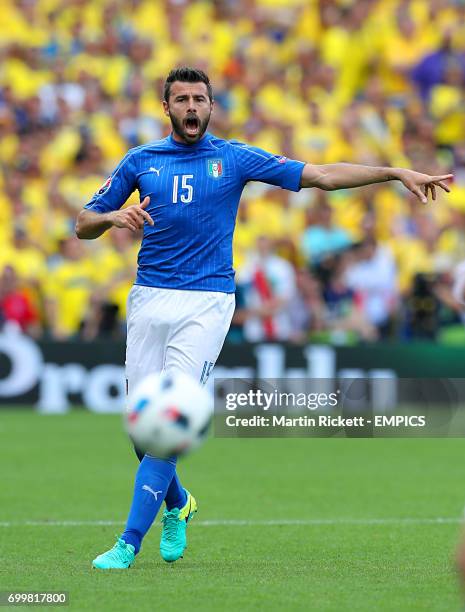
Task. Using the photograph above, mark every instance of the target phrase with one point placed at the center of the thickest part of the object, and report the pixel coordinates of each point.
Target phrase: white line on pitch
(246, 523)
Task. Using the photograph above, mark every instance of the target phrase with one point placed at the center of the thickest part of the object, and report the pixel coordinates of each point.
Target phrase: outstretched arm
(342, 176)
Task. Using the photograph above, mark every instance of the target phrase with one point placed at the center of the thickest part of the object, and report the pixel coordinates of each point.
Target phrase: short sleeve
(117, 188)
(259, 165)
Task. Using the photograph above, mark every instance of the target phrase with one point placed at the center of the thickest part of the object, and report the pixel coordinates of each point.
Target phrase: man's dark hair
(187, 75)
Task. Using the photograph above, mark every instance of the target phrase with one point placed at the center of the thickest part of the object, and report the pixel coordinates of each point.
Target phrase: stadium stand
(378, 82)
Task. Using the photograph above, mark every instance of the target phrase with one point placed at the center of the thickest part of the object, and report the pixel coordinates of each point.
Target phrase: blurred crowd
(378, 82)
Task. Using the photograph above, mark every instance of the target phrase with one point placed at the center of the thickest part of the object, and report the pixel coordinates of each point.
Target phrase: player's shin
(176, 495)
(152, 481)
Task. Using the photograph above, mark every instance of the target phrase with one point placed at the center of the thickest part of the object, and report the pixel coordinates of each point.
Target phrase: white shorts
(173, 329)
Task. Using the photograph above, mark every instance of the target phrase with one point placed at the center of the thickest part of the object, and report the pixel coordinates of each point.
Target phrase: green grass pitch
(327, 524)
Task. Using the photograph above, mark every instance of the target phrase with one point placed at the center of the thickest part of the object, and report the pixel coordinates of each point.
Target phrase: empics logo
(215, 167)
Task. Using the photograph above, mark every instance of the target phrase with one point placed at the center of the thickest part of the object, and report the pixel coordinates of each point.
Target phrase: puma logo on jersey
(157, 170)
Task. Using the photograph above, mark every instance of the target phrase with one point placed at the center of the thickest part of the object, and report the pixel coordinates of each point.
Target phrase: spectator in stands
(68, 291)
(372, 275)
(307, 308)
(373, 81)
(16, 305)
(430, 71)
(322, 239)
(269, 287)
(346, 316)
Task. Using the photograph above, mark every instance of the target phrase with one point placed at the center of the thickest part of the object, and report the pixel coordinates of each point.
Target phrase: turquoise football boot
(121, 556)
(173, 537)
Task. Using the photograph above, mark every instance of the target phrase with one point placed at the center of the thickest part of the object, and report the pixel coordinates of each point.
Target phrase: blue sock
(176, 495)
(152, 481)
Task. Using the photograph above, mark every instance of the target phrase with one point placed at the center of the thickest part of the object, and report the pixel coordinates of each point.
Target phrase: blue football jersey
(194, 192)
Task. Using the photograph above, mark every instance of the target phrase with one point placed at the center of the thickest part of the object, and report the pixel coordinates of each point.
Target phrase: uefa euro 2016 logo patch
(105, 186)
(215, 167)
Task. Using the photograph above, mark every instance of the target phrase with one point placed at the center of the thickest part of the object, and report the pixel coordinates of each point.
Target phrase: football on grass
(168, 414)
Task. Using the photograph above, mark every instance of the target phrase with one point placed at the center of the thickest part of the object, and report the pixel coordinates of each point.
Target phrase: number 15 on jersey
(184, 193)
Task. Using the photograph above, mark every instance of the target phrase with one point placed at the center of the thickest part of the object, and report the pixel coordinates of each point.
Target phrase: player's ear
(166, 108)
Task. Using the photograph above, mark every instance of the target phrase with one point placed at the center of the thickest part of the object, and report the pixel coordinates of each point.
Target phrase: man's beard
(187, 125)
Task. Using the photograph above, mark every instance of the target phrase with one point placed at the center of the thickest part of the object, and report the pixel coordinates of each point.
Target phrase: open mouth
(192, 125)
